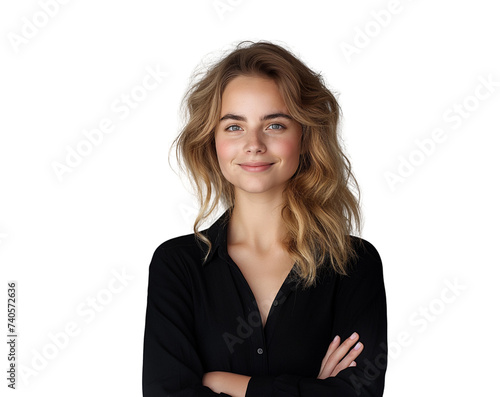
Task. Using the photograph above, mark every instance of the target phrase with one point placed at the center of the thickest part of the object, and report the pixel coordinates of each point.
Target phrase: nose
(254, 142)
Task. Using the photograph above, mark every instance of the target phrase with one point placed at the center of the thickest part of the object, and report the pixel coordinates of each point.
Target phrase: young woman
(276, 298)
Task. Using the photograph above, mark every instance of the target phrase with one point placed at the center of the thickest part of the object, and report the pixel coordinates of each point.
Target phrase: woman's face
(257, 141)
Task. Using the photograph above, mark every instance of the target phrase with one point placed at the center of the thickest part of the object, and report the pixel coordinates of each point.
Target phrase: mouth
(256, 167)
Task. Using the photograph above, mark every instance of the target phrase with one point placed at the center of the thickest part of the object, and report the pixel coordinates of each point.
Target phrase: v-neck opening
(252, 295)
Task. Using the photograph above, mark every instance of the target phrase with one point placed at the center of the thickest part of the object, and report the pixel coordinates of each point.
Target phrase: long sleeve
(171, 364)
(360, 306)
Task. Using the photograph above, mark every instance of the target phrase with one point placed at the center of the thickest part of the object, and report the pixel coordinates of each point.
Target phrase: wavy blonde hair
(320, 211)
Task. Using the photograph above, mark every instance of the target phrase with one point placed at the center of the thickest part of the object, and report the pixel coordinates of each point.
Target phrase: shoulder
(367, 261)
(178, 253)
(179, 245)
(365, 249)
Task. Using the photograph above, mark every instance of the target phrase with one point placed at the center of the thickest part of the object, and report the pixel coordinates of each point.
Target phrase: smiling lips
(256, 166)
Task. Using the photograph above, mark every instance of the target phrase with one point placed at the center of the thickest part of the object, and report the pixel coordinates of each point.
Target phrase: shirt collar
(217, 234)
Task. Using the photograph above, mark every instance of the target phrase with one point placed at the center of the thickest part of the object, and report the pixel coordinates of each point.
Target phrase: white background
(64, 239)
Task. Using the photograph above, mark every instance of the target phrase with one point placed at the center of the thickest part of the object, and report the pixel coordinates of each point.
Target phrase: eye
(276, 126)
(233, 128)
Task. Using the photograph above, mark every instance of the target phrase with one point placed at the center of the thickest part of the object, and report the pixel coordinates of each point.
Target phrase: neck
(256, 222)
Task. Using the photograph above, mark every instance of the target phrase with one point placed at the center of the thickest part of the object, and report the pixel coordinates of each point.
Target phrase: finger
(331, 348)
(353, 364)
(349, 359)
(339, 353)
(344, 348)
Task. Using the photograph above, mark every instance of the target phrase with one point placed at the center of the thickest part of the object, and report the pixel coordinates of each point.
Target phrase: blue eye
(230, 128)
(276, 127)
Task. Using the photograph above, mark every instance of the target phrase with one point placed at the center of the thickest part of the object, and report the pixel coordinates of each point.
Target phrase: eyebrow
(265, 118)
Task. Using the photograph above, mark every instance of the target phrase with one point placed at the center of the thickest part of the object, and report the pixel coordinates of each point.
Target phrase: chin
(258, 189)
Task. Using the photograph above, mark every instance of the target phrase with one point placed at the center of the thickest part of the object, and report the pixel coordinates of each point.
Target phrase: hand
(334, 360)
(226, 382)
(210, 380)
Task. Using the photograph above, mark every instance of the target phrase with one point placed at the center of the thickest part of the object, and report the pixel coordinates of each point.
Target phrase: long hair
(320, 210)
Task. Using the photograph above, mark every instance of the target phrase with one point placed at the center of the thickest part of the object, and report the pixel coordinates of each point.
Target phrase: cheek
(290, 150)
(224, 152)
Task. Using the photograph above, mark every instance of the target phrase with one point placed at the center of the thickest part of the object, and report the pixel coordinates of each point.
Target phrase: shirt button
(260, 351)
(275, 303)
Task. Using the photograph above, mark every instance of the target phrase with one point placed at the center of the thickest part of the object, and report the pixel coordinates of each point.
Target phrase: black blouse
(205, 318)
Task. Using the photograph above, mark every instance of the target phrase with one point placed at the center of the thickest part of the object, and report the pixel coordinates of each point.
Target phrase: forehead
(252, 92)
